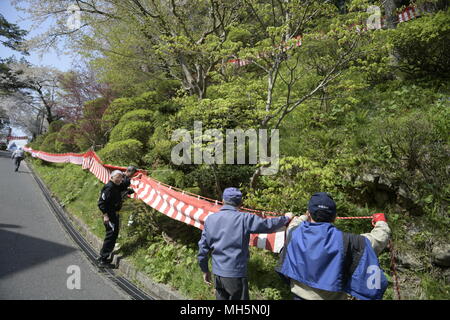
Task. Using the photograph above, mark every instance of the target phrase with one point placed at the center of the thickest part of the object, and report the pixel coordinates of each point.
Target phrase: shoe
(107, 260)
(105, 264)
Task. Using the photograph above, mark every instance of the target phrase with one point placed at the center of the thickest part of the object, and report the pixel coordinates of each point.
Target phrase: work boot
(104, 263)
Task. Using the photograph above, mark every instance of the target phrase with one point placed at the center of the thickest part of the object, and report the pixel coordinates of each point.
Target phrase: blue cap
(232, 195)
(322, 201)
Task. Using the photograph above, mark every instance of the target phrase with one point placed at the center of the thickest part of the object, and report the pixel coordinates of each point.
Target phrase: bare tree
(174, 33)
(78, 86)
(40, 82)
(24, 111)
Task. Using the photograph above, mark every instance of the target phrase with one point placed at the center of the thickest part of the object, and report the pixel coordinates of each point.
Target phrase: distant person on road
(18, 155)
(226, 235)
(110, 203)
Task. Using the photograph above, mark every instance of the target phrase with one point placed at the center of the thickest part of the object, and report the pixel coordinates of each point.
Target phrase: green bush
(65, 141)
(116, 110)
(411, 151)
(119, 107)
(82, 142)
(138, 115)
(138, 130)
(160, 147)
(37, 142)
(55, 126)
(122, 153)
(421, 46)
(49, 143)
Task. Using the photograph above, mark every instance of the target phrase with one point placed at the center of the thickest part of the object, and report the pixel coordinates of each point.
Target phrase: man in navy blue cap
(227, 236)
(320, 262)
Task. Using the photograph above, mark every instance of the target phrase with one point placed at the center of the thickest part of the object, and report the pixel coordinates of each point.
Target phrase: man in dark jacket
(109, 203)
(126, 182)
(227, 235)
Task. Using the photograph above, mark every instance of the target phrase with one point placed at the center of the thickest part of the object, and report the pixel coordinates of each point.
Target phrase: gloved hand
(378, 217)
(130, 191)
(289, 215)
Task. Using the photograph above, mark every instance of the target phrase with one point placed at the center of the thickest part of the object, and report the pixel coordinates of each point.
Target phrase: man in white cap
(109, 203)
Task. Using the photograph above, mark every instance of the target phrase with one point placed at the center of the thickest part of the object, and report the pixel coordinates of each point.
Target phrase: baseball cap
(322, 201)
(232, 195)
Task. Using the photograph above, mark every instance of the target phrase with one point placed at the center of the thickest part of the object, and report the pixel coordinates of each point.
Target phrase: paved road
(35, 251)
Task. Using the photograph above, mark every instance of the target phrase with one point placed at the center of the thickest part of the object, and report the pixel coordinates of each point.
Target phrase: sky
(61, 62)
(51, 59)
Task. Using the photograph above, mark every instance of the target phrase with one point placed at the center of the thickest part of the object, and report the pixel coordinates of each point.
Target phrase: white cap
(115, 173)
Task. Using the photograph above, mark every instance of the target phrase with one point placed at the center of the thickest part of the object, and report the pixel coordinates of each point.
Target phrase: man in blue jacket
(320, 262)
(227, 235)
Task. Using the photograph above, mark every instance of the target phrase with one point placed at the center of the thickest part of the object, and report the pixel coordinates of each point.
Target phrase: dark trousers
(110, 237)
(17, 163)
(231, 288)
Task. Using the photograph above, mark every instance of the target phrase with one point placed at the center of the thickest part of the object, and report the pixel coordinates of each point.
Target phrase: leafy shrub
(49, 143)
(411, 151)
(160, 147)
(82, 142)
(138, 115)
(65, 141)
(138, 130)
(55, 126)
(37, 142)
(119, 107)
(122, 153)
(421, 45)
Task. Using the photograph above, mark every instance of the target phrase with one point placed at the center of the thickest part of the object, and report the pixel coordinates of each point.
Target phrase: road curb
(157, 290)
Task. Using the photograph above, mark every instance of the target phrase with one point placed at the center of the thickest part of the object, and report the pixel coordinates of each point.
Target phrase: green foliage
(160, 147)
(421, 45)
(122, 153)
(298, 178)
(82, 142)
(37, 142)
(119, 107)
(49, 143)
(65, 141)
(12, 35)
(434, 289)
(138, 115)
(138, 130)
(55, 126)
(410, 149)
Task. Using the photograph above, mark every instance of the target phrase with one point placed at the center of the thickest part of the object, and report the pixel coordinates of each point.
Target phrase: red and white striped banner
(92, 163)
(193, 210)
(178, 205)
(16, 138)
